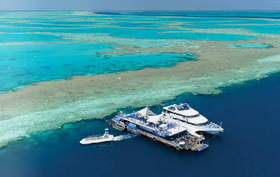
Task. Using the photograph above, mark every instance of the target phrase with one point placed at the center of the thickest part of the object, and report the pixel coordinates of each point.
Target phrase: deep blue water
(248, 147)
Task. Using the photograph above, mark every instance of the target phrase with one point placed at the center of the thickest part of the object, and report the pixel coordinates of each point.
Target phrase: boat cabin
(184, 113)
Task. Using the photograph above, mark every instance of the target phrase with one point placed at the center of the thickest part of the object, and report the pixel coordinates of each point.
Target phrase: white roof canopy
(144, 112)
(154, 119)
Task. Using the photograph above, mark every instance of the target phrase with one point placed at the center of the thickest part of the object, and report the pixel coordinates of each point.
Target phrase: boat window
(180, 108)
(183, 107)
(186, 106)
(172, 108)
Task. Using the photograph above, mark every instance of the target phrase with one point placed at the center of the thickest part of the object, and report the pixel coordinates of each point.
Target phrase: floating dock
(195, 147)
(155, 127)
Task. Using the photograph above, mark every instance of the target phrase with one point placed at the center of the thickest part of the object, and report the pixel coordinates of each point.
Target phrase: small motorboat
(98, 139)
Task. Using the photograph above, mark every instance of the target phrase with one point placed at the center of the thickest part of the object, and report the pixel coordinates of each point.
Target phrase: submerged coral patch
(250, 45)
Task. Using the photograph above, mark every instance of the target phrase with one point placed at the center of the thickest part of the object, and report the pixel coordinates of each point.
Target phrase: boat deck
(159, 129)
(193, 147)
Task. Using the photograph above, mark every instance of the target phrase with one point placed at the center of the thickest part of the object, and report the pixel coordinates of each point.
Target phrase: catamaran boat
(189, 118)
(158, 128)
(98, 139)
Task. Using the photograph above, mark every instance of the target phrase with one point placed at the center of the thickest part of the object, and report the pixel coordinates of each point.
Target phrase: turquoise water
(142, 24)
(28, 38)
(47, 59)
(23, 64)
(213, 14)
(152, 23)
(153, 34)
(218, 19)
(44, 25)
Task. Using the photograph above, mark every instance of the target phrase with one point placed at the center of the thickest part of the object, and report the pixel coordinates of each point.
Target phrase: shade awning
(154, 119)
(145, 112)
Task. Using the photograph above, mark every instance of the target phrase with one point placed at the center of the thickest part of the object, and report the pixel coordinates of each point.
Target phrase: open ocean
(248, 147)
(250, 112)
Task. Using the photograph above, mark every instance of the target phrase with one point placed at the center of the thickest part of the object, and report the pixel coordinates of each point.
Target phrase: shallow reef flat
(35, 62)
(47, 105)
(52, 103)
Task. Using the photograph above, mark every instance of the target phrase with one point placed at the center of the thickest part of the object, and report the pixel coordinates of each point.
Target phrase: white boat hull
(194, 129)
(86, 141)
(211, 128)
(214, 132)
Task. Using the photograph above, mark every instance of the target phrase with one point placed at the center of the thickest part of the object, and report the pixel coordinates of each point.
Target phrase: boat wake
(124, 137)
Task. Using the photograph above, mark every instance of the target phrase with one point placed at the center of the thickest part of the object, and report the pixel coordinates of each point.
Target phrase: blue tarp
(131, 126)
(204, 146)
